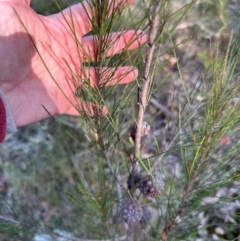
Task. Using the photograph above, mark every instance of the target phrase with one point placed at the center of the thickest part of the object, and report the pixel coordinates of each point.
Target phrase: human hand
(24, 78)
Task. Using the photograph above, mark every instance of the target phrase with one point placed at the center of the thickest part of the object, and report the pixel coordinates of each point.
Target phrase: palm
(26, 81)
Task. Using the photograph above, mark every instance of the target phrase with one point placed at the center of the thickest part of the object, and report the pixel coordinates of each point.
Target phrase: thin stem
(6, 219)
(167, 229)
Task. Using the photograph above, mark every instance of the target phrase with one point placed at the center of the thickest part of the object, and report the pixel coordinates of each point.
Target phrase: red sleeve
(3, 121)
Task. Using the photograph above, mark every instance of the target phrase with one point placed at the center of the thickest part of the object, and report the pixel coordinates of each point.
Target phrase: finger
(18, 1)
(26, 1)
(83, 15)
(86, 108)
(115, 44)
(91, 77)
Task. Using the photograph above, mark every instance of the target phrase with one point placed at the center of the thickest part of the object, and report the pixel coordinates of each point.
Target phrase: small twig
(9, 220)
(162, 107)
(167, 229)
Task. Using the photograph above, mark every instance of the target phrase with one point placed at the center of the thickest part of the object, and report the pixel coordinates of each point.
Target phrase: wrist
(3, 121)
(7, 123)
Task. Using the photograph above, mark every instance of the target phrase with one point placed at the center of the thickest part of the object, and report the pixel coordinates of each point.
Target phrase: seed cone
(151, 186)
(133, 180)
(131, 211)
(145, 130)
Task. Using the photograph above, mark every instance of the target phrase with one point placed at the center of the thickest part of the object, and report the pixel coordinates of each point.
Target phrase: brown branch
(167, 229)
(146, 79)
